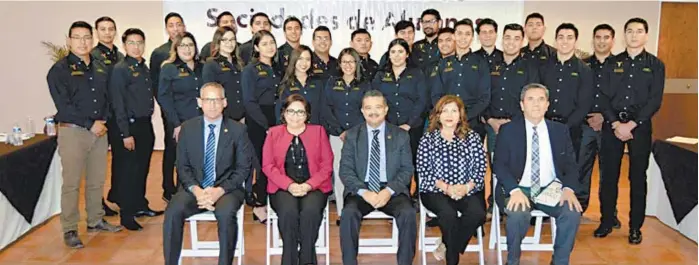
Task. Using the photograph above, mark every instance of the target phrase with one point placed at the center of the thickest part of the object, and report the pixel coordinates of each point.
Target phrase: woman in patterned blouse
(451, 166)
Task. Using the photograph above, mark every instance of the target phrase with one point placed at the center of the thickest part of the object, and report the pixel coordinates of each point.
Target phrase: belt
(625, 116)
(69, 125)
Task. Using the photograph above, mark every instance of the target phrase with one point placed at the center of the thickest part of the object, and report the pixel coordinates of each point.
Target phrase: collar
(569, 61)
(539, 126)
(541, 45)
(381, 128)
(216, 122)
(75, 60)
(103, 48)
(640, 56)
(132, 61)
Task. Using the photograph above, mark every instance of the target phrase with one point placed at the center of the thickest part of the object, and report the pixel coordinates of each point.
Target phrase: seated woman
(451, 166)
(298, 162)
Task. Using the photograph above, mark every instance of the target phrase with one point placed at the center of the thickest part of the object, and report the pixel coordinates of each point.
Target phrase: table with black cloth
(672, 186)
(30, 186)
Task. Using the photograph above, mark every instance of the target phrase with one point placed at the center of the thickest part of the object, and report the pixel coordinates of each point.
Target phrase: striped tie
(374, 179)
(209, 157)
(536, 186)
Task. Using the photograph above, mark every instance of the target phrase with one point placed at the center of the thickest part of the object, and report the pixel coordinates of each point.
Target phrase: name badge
(647, 70)
(339, 88)
(356, 88)
(448, 69)
(225, 69)
(520, 72)
(619, 70)
(262, 73)
(318, 71)
(107, 61)
(135, 74)
(573, 74)
(474, 67)
(410, 76)
(183, 74)
(77, 73)
(312, 86)
(495, 73)
(100, 70)
(294, 89)
(542, 57)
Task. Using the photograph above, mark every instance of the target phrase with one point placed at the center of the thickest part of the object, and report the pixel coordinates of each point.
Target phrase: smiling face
(487, 35)
(398, 55)
(322, 42)
(430, 25)
(227, 42)
(80, 41)
(511, 42)
(450, 115)
(463, 35)
(186, 50)
(304, 62)
(212, 101)
(348, 65)
(295, 114)
(135, 46)
(106, 31)
(374, 110)
(603, 41)
(446, 44)
(565, 41)
(175, 27)
(267, 47)
(292, 31)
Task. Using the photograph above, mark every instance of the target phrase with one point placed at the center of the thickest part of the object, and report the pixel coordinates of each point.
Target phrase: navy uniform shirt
(406, 95)
(600, 80)
(79, 90)
(342, 104)
(130, 91)
(178, 91)
(426, 54)
(157, 57)
(283, 55)
(369, 67)
(543, 52)
(494, 58)
(246, 52)
(570, 89)
(324, 70)
(312, 92)
(107, 56)
(218, 69)
(635, 87)
(507, 81)
(260, 86)
(467, 77)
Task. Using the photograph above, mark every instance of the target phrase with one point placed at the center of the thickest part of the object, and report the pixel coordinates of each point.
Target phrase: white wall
(23, 91)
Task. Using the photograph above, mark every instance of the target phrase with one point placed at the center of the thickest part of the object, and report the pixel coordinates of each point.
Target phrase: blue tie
(374, 165)
(536, 186)
(209, 159)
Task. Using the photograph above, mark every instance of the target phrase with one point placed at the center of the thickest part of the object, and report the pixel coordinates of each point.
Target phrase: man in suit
(376, 167)
(211, 175)
(530, 154)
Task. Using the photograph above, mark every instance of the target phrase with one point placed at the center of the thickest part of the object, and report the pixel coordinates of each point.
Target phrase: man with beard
(426, 50)
(537, 48)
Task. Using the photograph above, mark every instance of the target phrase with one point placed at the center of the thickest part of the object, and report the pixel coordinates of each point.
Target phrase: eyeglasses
(227, 40)
(324, 38)
(212, 101)
(186, 45)
(348, 62)
(429, 22)
(299, 113)
(135, 43)
(85, 38)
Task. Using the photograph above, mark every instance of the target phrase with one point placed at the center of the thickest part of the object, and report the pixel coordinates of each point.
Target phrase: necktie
(209, 158)
(536, 186)
(374, 164)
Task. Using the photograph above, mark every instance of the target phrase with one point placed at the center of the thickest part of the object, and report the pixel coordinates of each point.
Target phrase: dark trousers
(590, 145)
(518, 223)
(169, 156)
(456, 231)
(639, 153)
(184, 205)
(258, 134)
(399, 207)
(299, 220)
(129, 181)
(415, 135)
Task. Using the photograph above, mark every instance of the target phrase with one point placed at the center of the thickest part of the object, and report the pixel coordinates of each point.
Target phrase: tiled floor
(44, 245)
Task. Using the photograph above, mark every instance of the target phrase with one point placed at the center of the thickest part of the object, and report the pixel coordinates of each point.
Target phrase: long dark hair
(173, 50)
(404, 44)
(256, 42)
(351, 52)
(216, 46)
(290, 74)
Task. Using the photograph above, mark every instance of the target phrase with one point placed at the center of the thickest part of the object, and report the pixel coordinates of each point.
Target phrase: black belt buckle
(624, 117)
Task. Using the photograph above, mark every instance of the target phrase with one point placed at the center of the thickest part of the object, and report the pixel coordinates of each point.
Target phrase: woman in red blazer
(298, 161)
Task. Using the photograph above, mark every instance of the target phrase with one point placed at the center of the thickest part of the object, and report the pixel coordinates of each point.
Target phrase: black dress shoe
(130, 223)
(108, 211)
(72, 240)
(602, 231)
(635, 237)
(149, 213)
(617, 224)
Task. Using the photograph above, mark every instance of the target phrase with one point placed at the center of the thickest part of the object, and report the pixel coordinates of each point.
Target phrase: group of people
(246, 122)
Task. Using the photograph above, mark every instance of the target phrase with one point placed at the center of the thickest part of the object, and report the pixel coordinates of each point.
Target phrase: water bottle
(17, 136)
(31, 130)
(50, 126)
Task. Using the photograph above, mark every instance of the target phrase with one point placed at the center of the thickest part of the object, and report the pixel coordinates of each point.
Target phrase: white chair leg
(481, 255)
(241, 235)
(268, 226)
(421, 240)
(327, 235)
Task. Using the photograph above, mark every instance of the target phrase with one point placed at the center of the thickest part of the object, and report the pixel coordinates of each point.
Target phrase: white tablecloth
(13, 225)
(658, 204)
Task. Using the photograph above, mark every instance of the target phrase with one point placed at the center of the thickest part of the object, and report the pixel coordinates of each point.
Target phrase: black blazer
(233, 154)
(355, 154)
(511, 149)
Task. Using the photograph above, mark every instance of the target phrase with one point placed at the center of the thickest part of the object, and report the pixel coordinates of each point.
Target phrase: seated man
(211, 175)
(376, 167)
(535, 165)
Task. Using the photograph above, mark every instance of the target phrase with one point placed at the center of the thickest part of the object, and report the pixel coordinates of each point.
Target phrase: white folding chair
(274, 240)
(379, 245)
(211, 248)
(429, 244)
(529, 243)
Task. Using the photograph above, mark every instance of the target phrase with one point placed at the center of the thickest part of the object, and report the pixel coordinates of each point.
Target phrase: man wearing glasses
(324, 66)
(130, 130)
(426, 50)
(211, 173)
(78, 87)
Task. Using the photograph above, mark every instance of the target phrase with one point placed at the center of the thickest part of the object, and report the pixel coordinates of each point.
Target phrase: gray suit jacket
(233, 154)
(355, 156)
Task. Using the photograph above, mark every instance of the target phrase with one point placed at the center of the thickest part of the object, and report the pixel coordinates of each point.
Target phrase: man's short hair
(533, 86)
(214, 85)
(374, 94)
